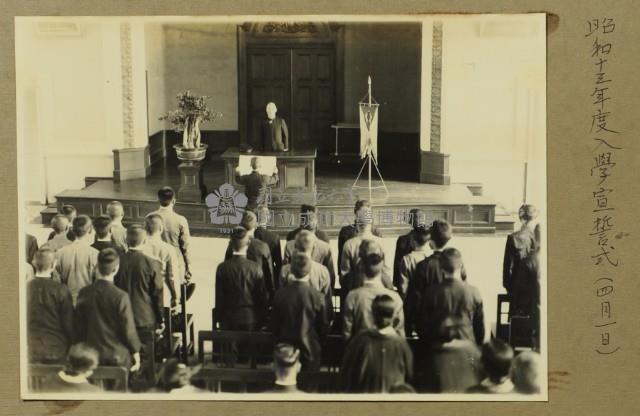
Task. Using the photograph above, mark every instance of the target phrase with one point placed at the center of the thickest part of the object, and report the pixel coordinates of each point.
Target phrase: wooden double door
(302, 83)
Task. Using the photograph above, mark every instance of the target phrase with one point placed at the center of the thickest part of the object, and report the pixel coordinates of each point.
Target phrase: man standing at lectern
(275, 135)
(255, 184)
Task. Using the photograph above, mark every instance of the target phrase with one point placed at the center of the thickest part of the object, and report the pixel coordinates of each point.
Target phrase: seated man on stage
(255, 184)
(275, 134)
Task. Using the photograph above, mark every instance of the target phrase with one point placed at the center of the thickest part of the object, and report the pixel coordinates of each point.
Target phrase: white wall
(70, 101)
(493, 104)
(155, 65)
(493, 113)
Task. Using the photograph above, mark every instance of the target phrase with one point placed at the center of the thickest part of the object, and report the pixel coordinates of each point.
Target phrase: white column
(425, 85)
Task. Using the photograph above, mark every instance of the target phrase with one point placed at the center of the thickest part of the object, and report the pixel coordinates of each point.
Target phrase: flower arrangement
(192, 110)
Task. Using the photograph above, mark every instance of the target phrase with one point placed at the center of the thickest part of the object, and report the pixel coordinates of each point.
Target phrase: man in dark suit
(140, 276)
(520, 245)
(406, 243)
(308, 221)
(270, 238)
(452, 309)
(255, 184)
(104, 317)
(349, 231)
(258, 251)
(274, 131)
(49, 313)
(240, 298)
(300, 316)
(102, 226)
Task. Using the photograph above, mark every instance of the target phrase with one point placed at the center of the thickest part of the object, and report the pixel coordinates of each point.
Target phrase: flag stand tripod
(370, 156)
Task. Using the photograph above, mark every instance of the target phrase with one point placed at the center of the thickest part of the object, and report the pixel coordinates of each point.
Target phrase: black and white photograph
(282, 208)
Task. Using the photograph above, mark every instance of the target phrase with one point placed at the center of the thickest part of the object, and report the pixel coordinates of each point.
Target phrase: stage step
(47, 214)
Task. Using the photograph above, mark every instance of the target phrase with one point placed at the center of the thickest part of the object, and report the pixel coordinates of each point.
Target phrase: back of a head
(372, 257)
(115, 209)
(108, 262)
(174, 374)
(497, 356)
(239, 238)
(166, 196)
(361, 203)
(69, 211)
(451, 260)
(364, 217)
(255, 163)
(418, 218)
(527, 212)
(285, 357)
(153, 223)
(308, 218)
(249, 221)
(102, 225)
(136, 235)
(82, 225)
(421, 236)
(81, 359)
(440, 233)
(300, 265)
(383, 309)
(525, 372)
(369, 247)
(44, 259)
(304, 241)
(60, 223)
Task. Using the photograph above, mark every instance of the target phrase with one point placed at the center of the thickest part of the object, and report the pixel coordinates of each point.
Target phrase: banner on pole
(368, 129)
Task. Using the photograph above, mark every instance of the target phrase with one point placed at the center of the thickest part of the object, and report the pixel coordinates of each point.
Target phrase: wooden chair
(332, 352)
(258, 345)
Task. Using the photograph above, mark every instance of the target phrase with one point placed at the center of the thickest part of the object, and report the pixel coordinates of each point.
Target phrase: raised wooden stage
(334, 198)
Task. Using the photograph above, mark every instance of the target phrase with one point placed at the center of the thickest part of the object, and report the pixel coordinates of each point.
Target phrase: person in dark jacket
(255, 184)
(406, 243)
(241, 300)
(274, 132)
(81, 362)
(102, 226)
(429, 272)
(300, 316)
(270, 238)
(452, 309)
(49, 313)
(104, 317)
(31, 247)
(140, 276)
(308, 221)
(257, 251)
(286, 366)
(378, 359)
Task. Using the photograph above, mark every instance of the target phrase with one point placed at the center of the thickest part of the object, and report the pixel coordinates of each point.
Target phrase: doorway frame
(308, 35)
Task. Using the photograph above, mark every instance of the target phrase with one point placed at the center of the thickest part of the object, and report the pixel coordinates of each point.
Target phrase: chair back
(38, 373)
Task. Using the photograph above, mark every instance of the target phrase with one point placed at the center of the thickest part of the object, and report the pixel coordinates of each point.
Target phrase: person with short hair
(139, 275)
(320, 253)
(496, 359)
(270, 238)
(377, 359)
(255, 183)
(274, 132)
(258, 251)
(104, 238)
(176, 231)
(175, 378)
(300, 316)
(358, 315)
(525, 372)
(161, 251)
(408, 263)
(308, 221)
(77, 261)
(60, 225)
(350, 251)
(319, 277)
(452, 309)
(349, 231)
(82, 360)
(49, 312)
(241, 299)
(104, 317)
(71, 213)
(406, 243)
(356, 276)
(286, 366)
(115, 211)
(520, 245)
